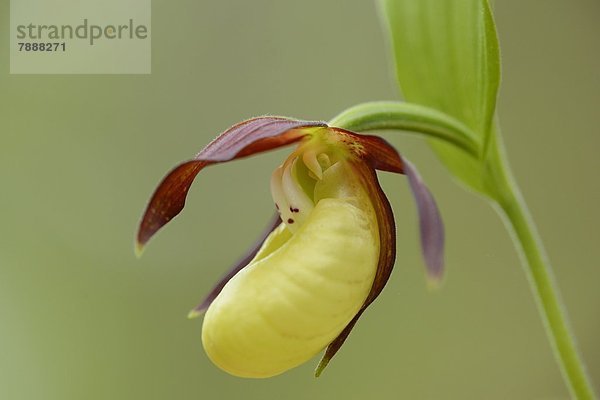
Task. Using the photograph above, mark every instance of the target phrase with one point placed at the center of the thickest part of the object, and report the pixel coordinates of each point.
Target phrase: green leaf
(447, 58)
(446, 54)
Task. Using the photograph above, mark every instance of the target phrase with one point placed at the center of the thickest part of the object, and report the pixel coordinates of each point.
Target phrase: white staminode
(294, 200)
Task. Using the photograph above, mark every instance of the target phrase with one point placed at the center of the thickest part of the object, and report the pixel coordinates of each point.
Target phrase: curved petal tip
(195, 313)
(138, 249)
(321, 367)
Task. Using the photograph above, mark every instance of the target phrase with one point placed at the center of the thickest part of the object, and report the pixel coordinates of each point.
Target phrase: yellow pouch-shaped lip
(298, 294)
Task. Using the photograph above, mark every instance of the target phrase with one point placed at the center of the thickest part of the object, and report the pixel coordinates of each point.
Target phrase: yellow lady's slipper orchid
(326, 258)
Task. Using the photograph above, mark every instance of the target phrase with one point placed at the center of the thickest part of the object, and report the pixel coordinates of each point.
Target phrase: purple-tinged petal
(244, 139)
(431, 225)
(387, 255)
(254, 136)
(241, 264)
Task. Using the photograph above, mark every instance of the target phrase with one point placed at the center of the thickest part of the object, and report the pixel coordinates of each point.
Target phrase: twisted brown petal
(387, 254)
(378, 154)
(244, 139)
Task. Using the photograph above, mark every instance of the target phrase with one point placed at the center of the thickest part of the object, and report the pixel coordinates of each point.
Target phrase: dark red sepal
(246, 138)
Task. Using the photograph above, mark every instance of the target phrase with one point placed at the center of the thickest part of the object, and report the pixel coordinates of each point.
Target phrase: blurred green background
(81, 318)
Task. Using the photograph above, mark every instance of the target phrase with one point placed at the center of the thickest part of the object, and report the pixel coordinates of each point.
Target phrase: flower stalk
(520, 225)
(410, 118)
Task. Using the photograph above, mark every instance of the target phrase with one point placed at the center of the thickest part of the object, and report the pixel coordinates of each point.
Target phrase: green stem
(543, 285)
(499, 185)
(412, 118)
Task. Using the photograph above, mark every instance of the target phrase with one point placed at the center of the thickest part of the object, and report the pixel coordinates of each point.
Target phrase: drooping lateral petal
(244, 139)
(387, 254)
(243, 262)
(430, 222)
